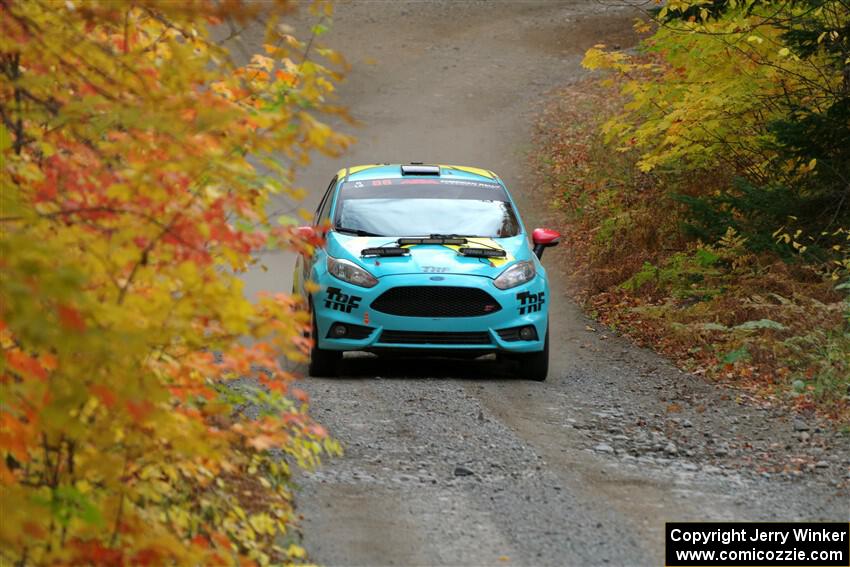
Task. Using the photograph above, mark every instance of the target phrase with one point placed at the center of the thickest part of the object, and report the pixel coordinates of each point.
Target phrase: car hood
(429, 258)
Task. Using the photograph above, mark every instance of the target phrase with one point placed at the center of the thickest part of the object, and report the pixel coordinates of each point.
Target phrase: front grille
(436, 301)
(434, 338)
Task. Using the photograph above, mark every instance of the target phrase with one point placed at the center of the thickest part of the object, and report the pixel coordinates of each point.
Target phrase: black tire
(323, 363)
(534, 365)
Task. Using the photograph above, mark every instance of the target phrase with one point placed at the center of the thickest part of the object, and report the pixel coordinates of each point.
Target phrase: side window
(325, 205)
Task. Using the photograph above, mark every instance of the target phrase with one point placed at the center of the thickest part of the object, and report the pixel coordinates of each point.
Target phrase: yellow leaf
(296, 551)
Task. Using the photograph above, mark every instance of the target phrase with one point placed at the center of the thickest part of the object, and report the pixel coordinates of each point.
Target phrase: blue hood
(428, 258)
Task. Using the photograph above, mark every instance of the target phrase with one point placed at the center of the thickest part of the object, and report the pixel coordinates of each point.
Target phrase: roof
(390, 171)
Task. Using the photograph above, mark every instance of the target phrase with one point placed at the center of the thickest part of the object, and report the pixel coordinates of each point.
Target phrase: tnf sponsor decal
(530, 302)
(341, 301)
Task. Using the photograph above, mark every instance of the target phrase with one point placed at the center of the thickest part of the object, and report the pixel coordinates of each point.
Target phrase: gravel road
(453, 462)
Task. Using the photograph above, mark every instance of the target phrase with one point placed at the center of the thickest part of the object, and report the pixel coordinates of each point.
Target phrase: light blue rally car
(425, 259)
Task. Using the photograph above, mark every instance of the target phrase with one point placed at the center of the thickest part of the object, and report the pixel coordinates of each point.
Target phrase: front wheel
(534, 365)
(323, 363)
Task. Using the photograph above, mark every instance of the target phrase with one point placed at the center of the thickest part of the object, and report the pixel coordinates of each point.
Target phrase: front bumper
(341, 303)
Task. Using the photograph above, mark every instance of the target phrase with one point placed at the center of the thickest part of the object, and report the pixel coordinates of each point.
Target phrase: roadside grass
(779, 329)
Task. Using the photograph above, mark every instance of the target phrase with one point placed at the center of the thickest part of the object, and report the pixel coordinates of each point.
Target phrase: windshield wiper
(479, 252)
(454, 236)
(385, 251)
(355, 231)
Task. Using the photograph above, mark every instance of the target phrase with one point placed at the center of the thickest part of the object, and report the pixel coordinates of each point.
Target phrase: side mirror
(544, 238)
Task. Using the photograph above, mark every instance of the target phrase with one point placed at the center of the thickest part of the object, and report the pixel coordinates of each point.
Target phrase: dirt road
(455, 463)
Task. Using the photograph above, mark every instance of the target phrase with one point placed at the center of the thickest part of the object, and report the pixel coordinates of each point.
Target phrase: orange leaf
(48, 361)
(25, 365)
(222, 540)
(281, 75)
(300, 395)
(6, 476)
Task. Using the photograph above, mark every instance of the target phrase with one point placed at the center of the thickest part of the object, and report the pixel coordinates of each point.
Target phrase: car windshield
(422, 207)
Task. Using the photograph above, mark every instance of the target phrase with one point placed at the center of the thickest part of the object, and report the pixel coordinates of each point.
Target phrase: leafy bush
(713, 304)
(755, 90)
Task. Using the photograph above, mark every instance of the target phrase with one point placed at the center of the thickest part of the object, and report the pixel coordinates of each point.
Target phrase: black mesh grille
(434, 338)
(436, 301)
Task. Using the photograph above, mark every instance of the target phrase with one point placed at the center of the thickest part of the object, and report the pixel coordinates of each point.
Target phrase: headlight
(350, 272)
(519, 273)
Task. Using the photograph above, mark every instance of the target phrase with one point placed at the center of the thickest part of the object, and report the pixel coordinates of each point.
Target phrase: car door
(304, 265)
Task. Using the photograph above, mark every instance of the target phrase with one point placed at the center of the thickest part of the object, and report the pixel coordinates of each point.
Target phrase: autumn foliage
(705, 179)
(140, 158)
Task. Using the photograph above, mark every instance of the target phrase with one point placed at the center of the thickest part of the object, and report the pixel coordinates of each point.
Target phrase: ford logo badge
(437, 278)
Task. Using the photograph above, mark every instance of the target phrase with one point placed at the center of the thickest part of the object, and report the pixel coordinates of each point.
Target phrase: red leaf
(33, 529)
(139, 410)
(71, 318)
(201, 541)
(94, 553)
(87, 89)
(104, 394)
(147, 556)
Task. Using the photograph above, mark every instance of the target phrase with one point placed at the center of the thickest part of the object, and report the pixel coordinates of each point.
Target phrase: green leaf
(706, 258)
(736, 355)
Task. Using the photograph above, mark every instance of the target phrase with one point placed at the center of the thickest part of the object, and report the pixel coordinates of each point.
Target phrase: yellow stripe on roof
(473, 170)
(356, 169)
(359, 168)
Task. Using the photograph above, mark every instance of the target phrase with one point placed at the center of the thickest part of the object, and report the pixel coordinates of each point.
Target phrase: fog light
(339, 330)
(527, 333)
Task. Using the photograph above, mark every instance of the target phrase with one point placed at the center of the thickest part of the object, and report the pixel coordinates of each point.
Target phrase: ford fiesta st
(425, 259)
